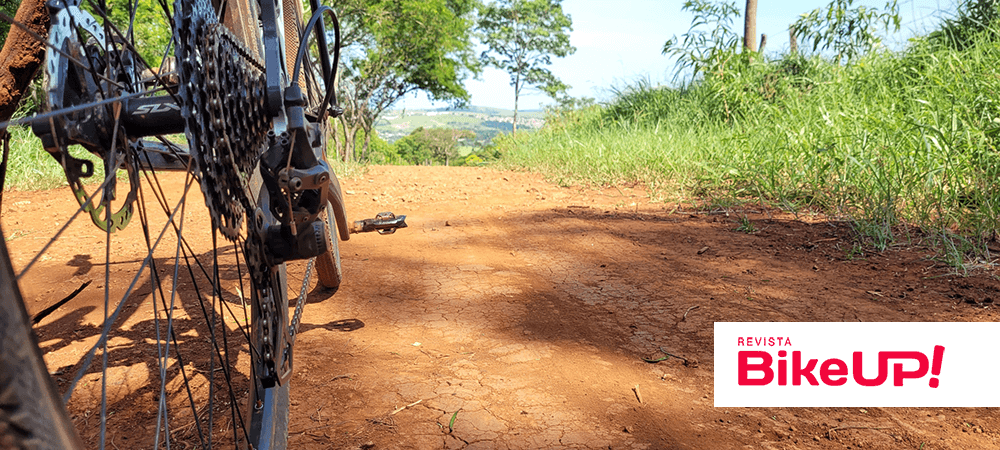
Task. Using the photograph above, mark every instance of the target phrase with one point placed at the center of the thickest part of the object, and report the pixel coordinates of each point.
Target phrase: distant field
(485, 122)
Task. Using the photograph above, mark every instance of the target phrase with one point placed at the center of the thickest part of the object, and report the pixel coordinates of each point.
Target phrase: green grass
(345, 170)
(891, 142)
(31, 168)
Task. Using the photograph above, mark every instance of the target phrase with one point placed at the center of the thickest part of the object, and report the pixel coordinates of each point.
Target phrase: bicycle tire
(31, 414)
(263, 416)
(328, 265)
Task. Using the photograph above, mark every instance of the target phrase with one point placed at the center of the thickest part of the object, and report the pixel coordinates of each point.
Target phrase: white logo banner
(803, 364)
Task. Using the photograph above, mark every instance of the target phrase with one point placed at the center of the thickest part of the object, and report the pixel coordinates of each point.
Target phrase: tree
(443, 142)
(849, 31)
(392, 48)
(412, 149)
(427, 145)
(750, 26)
(22, 55)
(522, 36)
(698, 49)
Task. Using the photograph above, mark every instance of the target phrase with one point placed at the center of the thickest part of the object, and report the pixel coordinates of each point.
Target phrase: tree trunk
(792, 42)
(349, 132)
(750, 26)
(367, 145)
(517, 92)
(334, 134)
(515, 114)
(22, 55)
(517, 76)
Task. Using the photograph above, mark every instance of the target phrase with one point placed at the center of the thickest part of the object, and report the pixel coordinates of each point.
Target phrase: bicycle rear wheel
(188, 311)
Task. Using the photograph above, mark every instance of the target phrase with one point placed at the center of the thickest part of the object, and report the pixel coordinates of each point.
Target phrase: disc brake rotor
(73, 81)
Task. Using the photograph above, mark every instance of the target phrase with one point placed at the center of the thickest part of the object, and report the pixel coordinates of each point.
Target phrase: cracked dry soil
(514, 314)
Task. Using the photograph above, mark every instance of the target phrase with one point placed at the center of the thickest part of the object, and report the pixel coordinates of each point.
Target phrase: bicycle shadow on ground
(137, 341)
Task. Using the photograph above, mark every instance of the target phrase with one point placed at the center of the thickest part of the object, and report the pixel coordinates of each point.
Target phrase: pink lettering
(799, 372)
(833, 368)
(833, 371)
(764, 366)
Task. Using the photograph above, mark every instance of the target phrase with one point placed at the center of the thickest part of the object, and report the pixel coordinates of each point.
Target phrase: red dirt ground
(527, 308)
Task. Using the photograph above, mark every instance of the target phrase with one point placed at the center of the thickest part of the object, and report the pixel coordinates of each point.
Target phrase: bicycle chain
(293, 329)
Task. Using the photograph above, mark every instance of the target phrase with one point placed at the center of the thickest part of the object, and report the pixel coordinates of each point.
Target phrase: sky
(619, 42)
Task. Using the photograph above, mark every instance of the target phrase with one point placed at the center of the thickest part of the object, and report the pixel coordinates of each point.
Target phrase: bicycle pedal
(383, 223)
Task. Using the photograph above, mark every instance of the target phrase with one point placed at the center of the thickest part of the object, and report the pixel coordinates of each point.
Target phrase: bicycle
(250, 84)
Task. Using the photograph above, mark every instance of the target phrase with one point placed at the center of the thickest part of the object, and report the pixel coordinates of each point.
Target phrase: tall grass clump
(887, 139)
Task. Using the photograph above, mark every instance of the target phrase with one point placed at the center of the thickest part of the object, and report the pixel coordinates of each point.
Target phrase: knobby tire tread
(31, 411)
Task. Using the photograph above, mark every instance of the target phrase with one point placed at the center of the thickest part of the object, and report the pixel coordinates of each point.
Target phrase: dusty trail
(527, 309)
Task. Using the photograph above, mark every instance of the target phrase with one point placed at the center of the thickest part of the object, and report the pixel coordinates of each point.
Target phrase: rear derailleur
(296, 182)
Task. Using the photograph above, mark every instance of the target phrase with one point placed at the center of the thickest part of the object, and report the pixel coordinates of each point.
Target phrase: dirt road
(513, 313)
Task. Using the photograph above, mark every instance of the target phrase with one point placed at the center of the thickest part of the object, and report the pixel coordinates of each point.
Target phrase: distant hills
(484, 121)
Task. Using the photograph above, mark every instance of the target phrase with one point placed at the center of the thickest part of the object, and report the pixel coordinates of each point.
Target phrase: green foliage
(9, 7)
(412, 151)
(745, 225)
(568, 104)
(427, 146)
(150, 29)
(569, 113)
(849, 31)
(481, 156)
(421, 44)
(33, 99)
(394, 47)
(382, 152)
(699, 49)
(523, 36)
(32, 168)
(890, 141)
(973, 17)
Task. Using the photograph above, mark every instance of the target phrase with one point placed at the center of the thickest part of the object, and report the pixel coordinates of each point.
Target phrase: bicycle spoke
(110, 320)
(202, 342)
(170, 330)
(188, 250)
(184, 249)
(46, 43)
(128, 41)
(66, 225)
(62, 112)
(111, 165)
